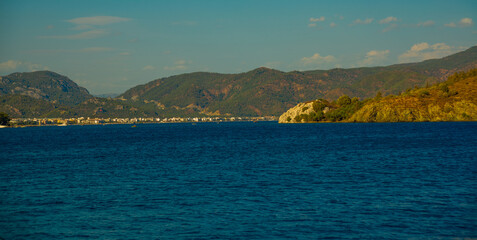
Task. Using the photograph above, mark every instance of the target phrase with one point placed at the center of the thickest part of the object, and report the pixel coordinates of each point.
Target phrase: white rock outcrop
(301, 108)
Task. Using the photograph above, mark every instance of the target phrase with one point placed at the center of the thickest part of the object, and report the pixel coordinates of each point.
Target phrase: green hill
(22, 106)
(44, 85)
(452, 100)
(25, 106)
(48, 94)
(266, 91)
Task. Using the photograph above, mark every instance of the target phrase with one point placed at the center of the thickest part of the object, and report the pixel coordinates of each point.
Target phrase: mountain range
(260, 92)
(266, 91)
(452, 100)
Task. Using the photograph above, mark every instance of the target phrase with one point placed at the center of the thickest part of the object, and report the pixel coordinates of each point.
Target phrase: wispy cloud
(88, 26)
(332, 24)
(387, 20)
(178, 65)
(88, 50)
(9, 65)
(98, 20)
(374, 57)
(317, 59)
(185, 23)
(96, 49)
(464, 22)
(14, 65)
(423, 51)
(313, 21)
(390, 27)
(320, 19)
(391, 21)
(148, 68)
(365, 21)
(426, 23)
(83, 35)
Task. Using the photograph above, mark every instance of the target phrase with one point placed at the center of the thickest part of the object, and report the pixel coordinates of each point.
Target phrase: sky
(109, 46)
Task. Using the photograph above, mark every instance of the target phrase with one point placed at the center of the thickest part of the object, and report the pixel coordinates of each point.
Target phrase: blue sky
(110, 46)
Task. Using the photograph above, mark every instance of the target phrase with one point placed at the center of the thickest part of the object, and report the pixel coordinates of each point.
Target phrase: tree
(344, 100)
(318, 106)
(379, 95)
(4, 118)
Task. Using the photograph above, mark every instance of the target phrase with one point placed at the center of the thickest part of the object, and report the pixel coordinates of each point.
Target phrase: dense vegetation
(452, 100)
(4, 119)
(44, 85)
(20, 106)
(48, 94)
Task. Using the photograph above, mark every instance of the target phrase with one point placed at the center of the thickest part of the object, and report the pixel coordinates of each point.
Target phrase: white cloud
(124, 53)
(423, 51)
(9, 65)
(388, 20)
(332, 24)
(148, 67)
(98, 20)
(180, 62)
(374, 57)
(314, 21)
(450, 25)
(419, 47)
(88, 26)
(178, 65)
(426, 23)
(317, 59)
(13, 65)
(96, 49)
(84, 35)
(185, 23)
(390, 27)
(376, 53)
(464, 22)
(320, 19)
(174, 68)
(365, 21)
(81, 50)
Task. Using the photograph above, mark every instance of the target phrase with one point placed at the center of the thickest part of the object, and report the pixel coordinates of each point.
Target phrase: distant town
(100, 121)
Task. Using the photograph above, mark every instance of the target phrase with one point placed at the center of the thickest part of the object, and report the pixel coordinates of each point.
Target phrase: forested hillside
(266, 91)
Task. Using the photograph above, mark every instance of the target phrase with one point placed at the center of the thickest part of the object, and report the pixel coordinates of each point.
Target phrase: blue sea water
(240, 181)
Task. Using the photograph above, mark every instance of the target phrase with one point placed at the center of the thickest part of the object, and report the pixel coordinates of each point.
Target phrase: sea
(240, 180)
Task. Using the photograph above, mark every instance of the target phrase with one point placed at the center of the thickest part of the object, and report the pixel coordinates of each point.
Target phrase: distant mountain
(107, 95)
(260, 92)
(265, 91)
(44, 85)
